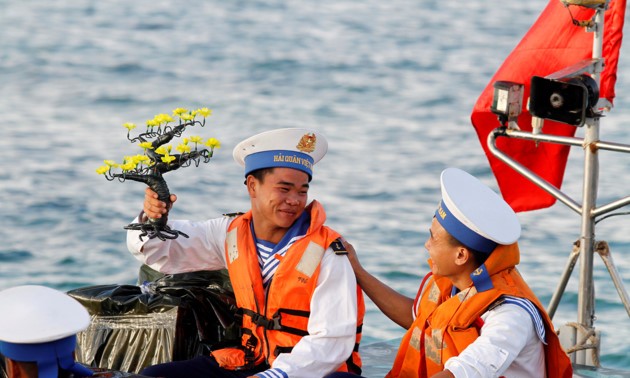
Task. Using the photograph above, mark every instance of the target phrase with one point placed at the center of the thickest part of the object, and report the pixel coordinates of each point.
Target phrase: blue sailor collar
(299, 228)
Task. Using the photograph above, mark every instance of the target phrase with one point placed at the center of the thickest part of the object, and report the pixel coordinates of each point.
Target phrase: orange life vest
(446, 325)
(274, 322)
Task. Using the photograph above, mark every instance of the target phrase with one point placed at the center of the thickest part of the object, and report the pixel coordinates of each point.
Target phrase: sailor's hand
(352, 255)
(153, 207)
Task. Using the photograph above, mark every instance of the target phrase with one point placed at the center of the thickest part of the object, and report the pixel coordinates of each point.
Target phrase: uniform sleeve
(332, 325)
(506, 331)
(202, 250)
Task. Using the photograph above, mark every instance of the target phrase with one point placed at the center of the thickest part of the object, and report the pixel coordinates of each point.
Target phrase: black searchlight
(568, 100)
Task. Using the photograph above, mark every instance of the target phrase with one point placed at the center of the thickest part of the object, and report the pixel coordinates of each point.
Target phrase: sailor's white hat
(474, 214)
(296, 148)
(39, 324)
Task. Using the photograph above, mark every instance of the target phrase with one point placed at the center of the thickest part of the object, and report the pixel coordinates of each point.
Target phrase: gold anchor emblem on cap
(307, 143)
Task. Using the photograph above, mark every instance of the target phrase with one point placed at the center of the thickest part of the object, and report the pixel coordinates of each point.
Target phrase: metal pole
(527, 173)
(601, 247)
(564, 280)
(586, 302)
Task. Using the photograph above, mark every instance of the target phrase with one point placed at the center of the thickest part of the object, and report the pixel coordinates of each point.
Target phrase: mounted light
(507, 101)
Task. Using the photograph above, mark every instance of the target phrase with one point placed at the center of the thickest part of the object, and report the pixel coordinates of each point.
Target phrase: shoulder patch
(231, 215)
(338, 248)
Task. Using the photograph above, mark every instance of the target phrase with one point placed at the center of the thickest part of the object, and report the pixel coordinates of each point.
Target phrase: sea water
(390, 83)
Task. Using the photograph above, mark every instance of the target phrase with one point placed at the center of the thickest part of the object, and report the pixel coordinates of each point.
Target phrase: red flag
(551, 44)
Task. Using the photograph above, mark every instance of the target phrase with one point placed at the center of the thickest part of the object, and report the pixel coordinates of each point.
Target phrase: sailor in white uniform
(472, 247)
(332, 321)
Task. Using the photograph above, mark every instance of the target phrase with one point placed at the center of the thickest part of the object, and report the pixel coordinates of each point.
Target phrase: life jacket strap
(352, 367)
(275, 322)
(248, 351)
(260, 320)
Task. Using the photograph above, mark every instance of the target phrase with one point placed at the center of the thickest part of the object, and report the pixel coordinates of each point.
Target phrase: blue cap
(39, 324)
(474, 214)
(289, 148)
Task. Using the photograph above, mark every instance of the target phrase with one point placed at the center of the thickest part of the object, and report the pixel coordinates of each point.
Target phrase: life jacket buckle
(270, 324)
(276, 322)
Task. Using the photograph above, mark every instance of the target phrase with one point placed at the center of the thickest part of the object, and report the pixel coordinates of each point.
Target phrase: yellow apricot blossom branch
(154, 151)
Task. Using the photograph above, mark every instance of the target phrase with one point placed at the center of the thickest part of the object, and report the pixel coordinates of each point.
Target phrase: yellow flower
(128, 166)
(129, 126)
(102, 169)
(161, 150)
(168, 158)
(146, 145)
(195, 139)
(185, 141)
(140, 159)
(110, 163)
(187, 117)
(152, 123)
(163, 118)
(179, 111)
(183, 148)
(213, 143)
(204, 112)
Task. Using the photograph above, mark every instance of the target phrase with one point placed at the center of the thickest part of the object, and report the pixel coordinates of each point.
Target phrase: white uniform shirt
(508, 345)
(333, 320)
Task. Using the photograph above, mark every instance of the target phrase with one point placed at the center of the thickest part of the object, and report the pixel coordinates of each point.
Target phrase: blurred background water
(391, 84)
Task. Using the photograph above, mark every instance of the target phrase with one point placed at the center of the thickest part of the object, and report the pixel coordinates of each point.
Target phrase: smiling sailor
(301, 307)
(38, 327)
(474, 315)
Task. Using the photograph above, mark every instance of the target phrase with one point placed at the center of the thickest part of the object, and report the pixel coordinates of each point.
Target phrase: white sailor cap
(474, 214)
(39, 324)
(290, 148)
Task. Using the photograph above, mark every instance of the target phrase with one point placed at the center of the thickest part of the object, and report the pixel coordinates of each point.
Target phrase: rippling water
(391, 84)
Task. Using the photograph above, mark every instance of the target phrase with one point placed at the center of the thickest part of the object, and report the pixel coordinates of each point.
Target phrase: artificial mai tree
(157, 159)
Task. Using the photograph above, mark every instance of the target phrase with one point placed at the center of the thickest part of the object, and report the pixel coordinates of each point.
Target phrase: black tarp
(174, 317)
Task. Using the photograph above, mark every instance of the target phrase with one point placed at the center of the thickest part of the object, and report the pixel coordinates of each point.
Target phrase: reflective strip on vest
(232, 245)
(310, 259)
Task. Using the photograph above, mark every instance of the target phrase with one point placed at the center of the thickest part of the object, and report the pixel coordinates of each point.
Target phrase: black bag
(175, 317)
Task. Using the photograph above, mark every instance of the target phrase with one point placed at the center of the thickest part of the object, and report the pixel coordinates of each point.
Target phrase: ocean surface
(390, 83)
